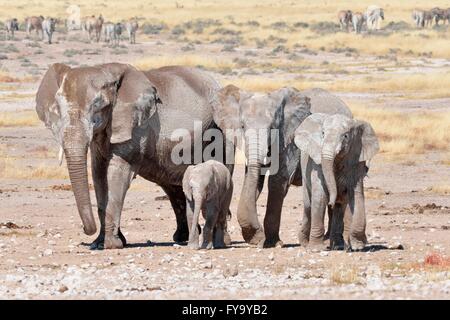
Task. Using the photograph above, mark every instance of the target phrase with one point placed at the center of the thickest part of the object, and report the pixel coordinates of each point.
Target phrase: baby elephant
(335, 155)
(208, 187)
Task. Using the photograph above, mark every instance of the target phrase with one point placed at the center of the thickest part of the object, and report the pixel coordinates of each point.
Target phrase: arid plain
(397, 78)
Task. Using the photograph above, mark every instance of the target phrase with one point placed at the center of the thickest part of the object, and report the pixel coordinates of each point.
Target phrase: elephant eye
(346, 136)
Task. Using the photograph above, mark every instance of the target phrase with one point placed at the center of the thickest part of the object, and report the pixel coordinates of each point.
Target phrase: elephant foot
(207, 245)
(193, 245)
(181, 235)
(317, 245)
(337, 244)
(98, 244)
(303, 239)
(226, 238)
(113, 242)
(356, 245)
(273, 243)
(253, 236)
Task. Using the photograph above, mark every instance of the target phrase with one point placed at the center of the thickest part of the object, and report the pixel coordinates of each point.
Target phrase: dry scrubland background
(397, 78)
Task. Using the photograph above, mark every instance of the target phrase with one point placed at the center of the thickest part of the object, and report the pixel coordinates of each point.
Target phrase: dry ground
(44, 254)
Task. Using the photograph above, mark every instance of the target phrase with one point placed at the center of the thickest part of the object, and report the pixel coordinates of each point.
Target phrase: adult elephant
(263, 118)
(126, 118)
(374, 15)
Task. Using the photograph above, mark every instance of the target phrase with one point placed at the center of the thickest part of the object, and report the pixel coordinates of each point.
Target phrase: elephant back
(323, 101)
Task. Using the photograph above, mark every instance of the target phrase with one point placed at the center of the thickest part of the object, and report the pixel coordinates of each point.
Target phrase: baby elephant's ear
(308, 136)
(369, 140)
(186, 185)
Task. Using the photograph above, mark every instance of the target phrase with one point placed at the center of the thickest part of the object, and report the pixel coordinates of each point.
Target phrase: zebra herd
(371, 18)
(94, 28)
(425, 18)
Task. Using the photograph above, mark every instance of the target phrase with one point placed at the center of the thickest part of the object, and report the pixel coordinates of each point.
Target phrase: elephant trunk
(247, 213)
(328, 173)
(76, 157)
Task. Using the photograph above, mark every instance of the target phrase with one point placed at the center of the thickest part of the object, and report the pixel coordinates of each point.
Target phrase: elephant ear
(46, 107)
(296, 109)
(226, 110)
(186, 186)
(135, 101)
(369, 141)
(308, 136)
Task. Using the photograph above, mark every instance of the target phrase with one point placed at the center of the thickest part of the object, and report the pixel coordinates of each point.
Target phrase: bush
(149, 28)
(325, 27)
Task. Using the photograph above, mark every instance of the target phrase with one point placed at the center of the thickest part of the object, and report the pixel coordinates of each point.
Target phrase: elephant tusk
(61, 156)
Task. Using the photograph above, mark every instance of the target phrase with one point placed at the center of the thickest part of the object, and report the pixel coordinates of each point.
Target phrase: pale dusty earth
(44, 253)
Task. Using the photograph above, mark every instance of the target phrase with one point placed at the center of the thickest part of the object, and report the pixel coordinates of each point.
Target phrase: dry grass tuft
(11, 169)
(209, 63)
(344, 275)
(18, 119)
(403, 133)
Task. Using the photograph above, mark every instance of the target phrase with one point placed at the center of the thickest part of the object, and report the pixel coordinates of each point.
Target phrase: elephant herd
(178, 127)
(93, 27)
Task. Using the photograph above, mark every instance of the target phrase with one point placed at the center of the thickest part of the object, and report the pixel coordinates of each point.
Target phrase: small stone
(48, 252)
(230, 271)
(271, 256)
(63, 289)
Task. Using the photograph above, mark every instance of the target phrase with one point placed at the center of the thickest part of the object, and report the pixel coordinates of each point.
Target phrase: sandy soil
(44, 254)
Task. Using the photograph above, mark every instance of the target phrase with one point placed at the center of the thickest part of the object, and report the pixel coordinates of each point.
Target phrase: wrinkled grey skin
(419, 18)
(322, 101)
(34, 23)
(11, 26)
(132, 27)
(48, 27)
(374, 15)
(345, 19)
(283, 110)
(126, 118)
(335, 155)
(358, 20)
(208, 188)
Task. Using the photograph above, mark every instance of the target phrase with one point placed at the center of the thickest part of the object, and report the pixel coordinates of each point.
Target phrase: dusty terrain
(44, 253)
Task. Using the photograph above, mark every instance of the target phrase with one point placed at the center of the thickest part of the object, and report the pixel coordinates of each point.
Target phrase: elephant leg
(358, 237)
(219, 230)
(99, 176)
(337, 226)
(327, 234)
(318, 207)
(193, 235)
(278, 186)
(210, 223)
(119, 176)
(178, 202)
(347, 224)
(305, 229)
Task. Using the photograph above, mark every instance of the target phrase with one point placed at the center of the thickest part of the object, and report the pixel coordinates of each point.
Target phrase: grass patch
(18, 119)
(11, 169)
(209, 63)
(344, 275)
(407, 132)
